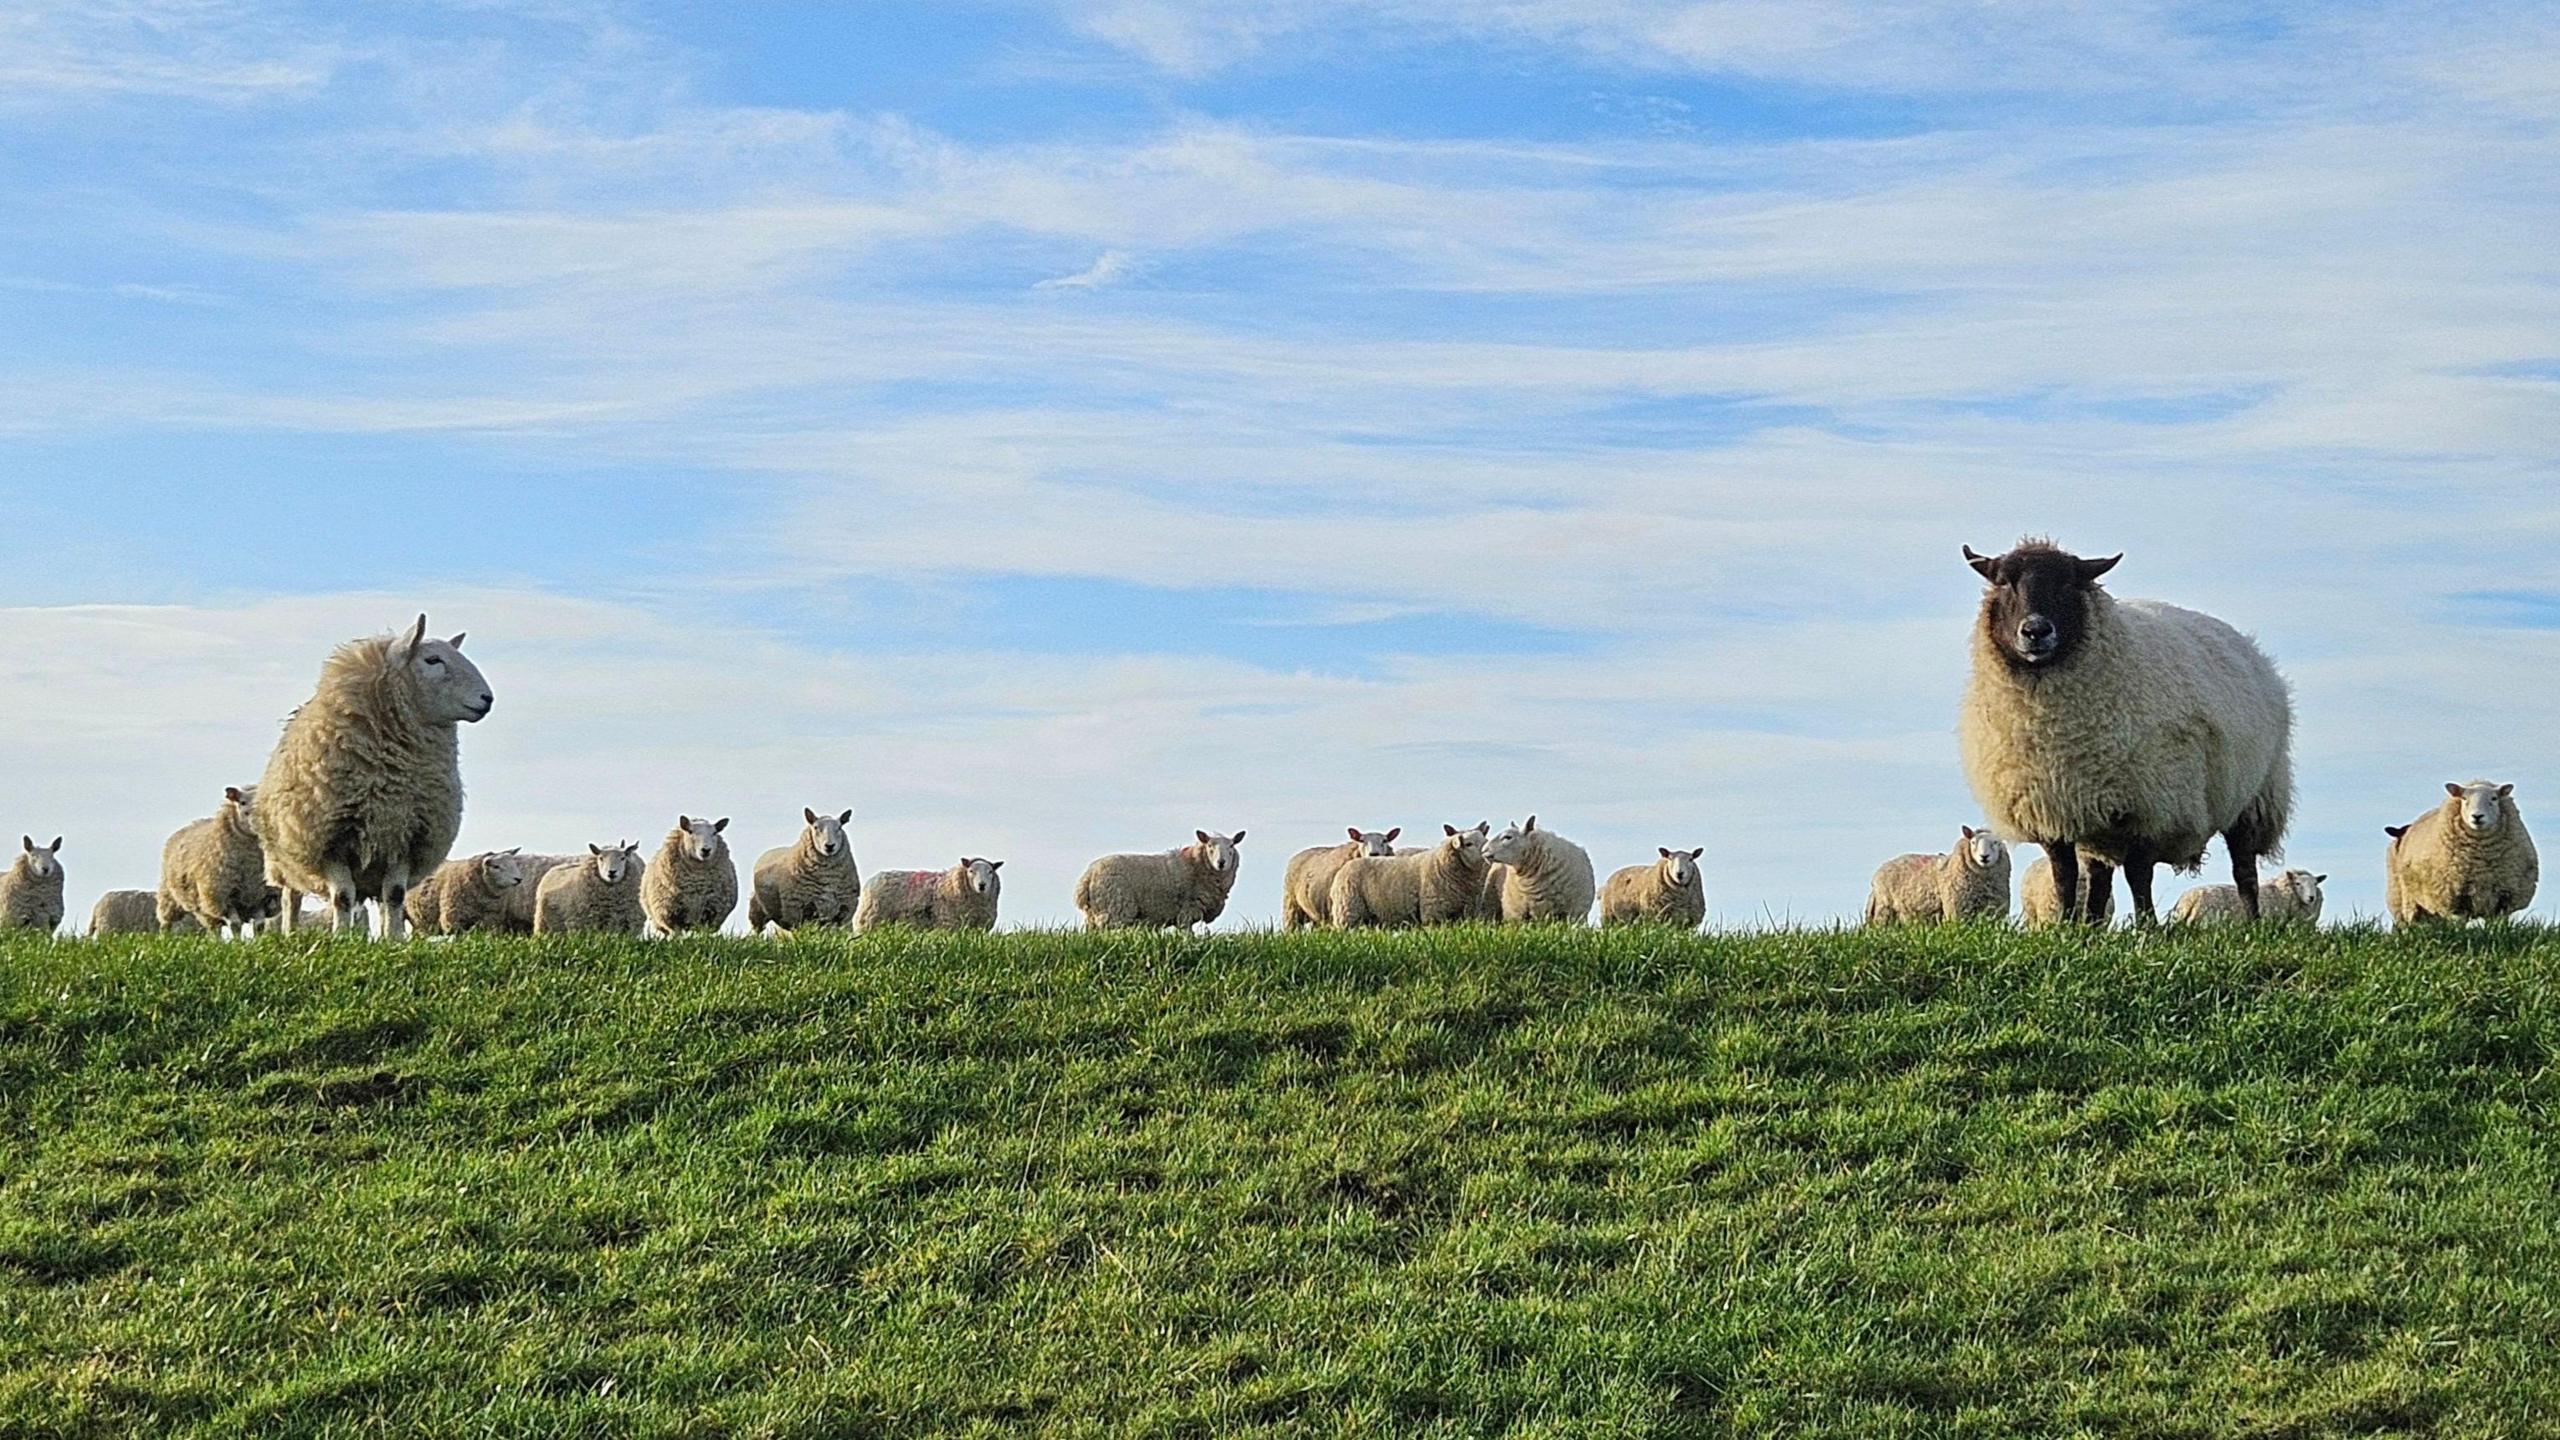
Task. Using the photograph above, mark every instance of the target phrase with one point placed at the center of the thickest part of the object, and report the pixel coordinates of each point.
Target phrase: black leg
(2244, 877)
(2139, 871)
(2065, 857)
(2101, 882)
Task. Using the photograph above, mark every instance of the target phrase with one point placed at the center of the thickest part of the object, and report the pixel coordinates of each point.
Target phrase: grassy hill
(1468, 1183)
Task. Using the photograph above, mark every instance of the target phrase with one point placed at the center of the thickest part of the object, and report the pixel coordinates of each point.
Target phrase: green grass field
(1471, 1183)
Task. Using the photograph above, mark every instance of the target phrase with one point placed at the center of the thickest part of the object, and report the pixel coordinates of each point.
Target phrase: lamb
(214, 871)
(1183, 888)
(1306, 886)
(960, 898)
(2468, 859)
(1970, 882)
(812, 881)
(2133, 730)
(1670, 891)
(481, 892)
(601, 895)
(2040, 901)
(1442, 885)
(363, 795)
(31, 888)
(1547, 877)
(135, 912)
(2293, 895)
(693, 884)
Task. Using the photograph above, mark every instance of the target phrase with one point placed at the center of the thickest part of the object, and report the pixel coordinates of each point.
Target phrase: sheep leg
(346, 907)
(2140, 869)
(2065, 858)
(2244, 877)
(2094, 890)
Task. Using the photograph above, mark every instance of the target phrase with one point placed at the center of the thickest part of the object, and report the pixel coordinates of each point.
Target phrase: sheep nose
(2035, 630)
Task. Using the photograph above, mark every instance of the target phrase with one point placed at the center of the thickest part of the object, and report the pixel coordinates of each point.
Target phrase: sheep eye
(436, 660)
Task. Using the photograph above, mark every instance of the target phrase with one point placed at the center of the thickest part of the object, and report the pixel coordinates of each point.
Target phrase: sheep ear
(29, 841)
(847, 817)
(1484, 827)
(2090, 570)
(1392, 833)
(1981, 563)
(1200, 837)
(1694, 854)
(1448, 829)
(2453, 790)
(56, 846)
(1238, 837)
(1663, 850)
(417, 636)
(995, 864)
(2505, 790)
(232, 794)
(456, 641)
(2319, 879)
(684, 822)
(809, 815)
(720, 824)
(2395, 831)
(513, 850)
(1355, 832)
(1531, 825)
(594, 849)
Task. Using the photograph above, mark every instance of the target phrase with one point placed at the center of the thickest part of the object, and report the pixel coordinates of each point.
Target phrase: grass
(1470, 1183)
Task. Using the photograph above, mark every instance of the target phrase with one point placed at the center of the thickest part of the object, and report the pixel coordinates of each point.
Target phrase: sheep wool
(480, 892)
(214, 871)
(600, 896)
(1547, 877)
(812, 881)
(2293, 895)
(134, 912)
(961, 898)
(1306, 885)
(2470, 858)
(693, 884)
(363, 795)
(1670, 891)
(1442, 885)
(31, 888)
(1182, 888)
(1970, 882)
(2040, 900)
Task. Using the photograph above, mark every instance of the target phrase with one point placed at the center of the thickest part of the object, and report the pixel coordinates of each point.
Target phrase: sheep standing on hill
(31, 888)
(2132, 730)
(693, 884)
(214, 871)
(602, 895)
(1970, 882)
(1546, 876)
(961, 898)
(2291, 896)
(811, 881)
(2040, 900)
(1182, 888)
(363, 795)
(1306, 886)
(1670, 891)
(1442, 885)
(132, 912)
(2467, 859)
(480, 892)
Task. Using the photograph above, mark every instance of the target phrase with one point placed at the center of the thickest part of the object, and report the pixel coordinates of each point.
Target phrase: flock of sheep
(2115, 734)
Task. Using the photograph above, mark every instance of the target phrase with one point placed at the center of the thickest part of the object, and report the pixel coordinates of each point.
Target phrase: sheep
(1548, 877)
(812, 881)
(601, 894)
(2133, 730)
(479, 892)
(960, 898)
(1670, 891)
(1969, 882)
(2293, 895)
(363, 795)
(214, 871)
(1442, 885)
(1182, 888)
(693, 884)
(135, 912)
(1306, 886)
(2040, 902)
(312, 916)
(2470, 858)
(31, 888)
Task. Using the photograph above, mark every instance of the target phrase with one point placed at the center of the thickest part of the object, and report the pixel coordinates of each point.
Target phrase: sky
(1052, 428)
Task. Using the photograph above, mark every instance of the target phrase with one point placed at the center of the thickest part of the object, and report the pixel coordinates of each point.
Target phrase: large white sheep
(1670, 891)
(2040, 900)
(214, 871)
(2293, 895)
(31, 888)
(2469, 858)
(811, 881)
(480, 892)
(1545, 877)
(963, 897)
(1441, 885)
(1306, 885)
(363, 795)
(1970, 882)
(1182, 888)
(2133, 730)
(693, 884)
(601, 896)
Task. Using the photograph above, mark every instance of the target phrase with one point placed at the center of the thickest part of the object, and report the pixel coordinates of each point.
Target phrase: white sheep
(2293, 895)
(600, 896)
(963, 897)
(1306, 885)
(2133, 730)
(1545, 876)
(1183, 887)
(31, 888)
(693, 884)
(135, 912)
(2469, 858)
(479, 892)
(363, 795)
(1670, 891)
(2040, 900)
(1970, 882)
(811, 881)
(1441, 885)
(214, 870)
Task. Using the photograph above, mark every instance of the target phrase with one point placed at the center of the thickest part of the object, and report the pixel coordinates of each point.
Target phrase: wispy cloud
(1107, 267)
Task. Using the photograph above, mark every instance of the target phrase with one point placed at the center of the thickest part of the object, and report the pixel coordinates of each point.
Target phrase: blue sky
(1054, 427)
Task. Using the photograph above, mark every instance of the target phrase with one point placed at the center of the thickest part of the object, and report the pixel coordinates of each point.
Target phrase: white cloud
(1107, 267)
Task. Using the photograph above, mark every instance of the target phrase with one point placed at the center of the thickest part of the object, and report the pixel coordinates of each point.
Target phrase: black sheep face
(2037, 609)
